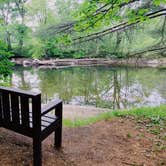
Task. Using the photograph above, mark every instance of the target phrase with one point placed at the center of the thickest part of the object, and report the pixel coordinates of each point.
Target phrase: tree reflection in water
(100, 86)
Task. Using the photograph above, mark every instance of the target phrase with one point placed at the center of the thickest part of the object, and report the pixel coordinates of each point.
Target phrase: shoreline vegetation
(153, 114)
(62, 63)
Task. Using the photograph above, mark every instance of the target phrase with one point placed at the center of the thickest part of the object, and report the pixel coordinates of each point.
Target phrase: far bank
(61, 63)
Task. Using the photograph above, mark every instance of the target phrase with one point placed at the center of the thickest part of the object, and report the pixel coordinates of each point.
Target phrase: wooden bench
(21, 111)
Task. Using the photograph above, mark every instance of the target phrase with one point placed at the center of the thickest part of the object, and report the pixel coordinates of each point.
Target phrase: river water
(105, 87)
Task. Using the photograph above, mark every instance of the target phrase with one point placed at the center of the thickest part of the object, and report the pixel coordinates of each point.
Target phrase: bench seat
(46, 120)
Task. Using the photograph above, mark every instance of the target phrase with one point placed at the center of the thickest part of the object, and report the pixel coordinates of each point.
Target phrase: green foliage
(79, 54)
(158, 2)
(36, 48)
(41, 12)
(93, 14)
(65, 10)
(21, 31)
(52, 49)
(153, 113)
(5, 64)
(37, 31)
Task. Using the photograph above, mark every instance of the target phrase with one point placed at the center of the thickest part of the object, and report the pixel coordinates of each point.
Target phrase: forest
(79, 29)
(96, 66)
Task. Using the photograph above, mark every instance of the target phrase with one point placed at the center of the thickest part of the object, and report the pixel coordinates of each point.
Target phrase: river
(105, 87)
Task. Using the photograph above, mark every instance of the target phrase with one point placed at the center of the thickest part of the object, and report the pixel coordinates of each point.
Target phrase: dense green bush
(5, 64)
(24, 53)
(51, 49)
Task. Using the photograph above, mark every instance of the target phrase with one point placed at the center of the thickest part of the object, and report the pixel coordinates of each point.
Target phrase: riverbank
(155, 114)
(133, 138)
(61, 63)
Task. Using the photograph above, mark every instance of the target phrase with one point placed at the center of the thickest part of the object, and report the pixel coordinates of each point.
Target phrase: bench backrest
(19, 109)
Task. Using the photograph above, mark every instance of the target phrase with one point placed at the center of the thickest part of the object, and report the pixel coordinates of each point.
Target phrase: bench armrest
(50, 106)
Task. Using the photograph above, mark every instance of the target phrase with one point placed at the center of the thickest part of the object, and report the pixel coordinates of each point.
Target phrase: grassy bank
(154, 114)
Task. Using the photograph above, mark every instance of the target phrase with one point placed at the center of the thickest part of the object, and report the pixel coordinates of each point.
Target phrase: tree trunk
(8, 40)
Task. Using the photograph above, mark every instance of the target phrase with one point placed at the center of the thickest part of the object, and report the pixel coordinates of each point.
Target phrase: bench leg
(58, 137)
(37, 153)
(58, 131)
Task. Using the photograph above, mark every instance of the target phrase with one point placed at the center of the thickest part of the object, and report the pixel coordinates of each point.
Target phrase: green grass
(155, 114)
(145, 112)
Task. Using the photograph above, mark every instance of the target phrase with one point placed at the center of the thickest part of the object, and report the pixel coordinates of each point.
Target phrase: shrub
(5, 64)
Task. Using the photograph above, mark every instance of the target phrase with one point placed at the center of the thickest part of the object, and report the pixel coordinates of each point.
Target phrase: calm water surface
(100, 86)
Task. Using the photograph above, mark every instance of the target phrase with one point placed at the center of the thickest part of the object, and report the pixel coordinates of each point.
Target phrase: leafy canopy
(98, 13)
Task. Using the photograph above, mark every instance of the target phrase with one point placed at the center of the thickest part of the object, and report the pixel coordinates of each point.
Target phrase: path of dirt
(81, 112)
(119, 142)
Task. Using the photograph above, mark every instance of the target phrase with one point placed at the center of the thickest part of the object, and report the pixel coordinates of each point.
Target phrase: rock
(36, 62)
(27, 63)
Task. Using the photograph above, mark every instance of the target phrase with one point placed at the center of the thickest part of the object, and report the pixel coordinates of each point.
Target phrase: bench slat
(6, 106)
(25, 111)
(50, 106)
(0, 106)
(15, 108)
(18, 91)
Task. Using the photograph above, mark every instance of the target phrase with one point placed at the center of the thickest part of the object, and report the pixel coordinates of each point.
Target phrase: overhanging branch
(119, 27)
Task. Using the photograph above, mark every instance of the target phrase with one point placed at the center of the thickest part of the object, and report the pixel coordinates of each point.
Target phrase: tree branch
(119, 27)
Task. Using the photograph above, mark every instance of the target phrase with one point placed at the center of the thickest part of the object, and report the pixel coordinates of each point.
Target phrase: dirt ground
(117, 142)
(74, 112)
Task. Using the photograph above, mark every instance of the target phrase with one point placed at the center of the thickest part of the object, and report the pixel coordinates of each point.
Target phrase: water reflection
(99, 86)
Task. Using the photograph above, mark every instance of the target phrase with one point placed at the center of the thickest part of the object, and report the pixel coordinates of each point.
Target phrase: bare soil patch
(117, 142)
(74, 112)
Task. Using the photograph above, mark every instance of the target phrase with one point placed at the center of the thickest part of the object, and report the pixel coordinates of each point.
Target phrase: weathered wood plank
(25, 111)
(36, 113)
(50, 106)
(0, 107)
(15, 108)
(6, 106)
(18, 91)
